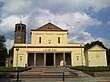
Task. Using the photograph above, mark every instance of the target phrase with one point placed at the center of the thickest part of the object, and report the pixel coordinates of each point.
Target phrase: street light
(17, 49)
(27, 41)
(81, 55)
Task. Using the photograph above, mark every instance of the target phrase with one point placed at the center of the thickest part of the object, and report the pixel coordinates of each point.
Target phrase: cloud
(18, 7)
(83, 37)
(105, 41)
(86, 37)
(76, 22)
(9, 43)
(65, 14)
(8, 23)
(99, 5)
(57, 6)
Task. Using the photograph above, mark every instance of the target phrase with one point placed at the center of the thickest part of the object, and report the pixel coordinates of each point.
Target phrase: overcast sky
(85, 20)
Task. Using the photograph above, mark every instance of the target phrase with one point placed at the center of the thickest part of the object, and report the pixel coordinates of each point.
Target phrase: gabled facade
(96, 56)
(49, 35)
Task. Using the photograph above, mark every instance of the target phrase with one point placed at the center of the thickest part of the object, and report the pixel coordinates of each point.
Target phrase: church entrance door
(49, 59)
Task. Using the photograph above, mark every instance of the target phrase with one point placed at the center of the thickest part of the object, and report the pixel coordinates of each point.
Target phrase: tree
(3, 50)
(108, 56)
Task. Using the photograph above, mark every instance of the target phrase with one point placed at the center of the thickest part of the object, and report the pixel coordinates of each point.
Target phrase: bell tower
(20, 33)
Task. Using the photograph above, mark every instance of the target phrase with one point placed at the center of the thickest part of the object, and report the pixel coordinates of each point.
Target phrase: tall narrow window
(19, 28)
(59, 40)
(39, 39)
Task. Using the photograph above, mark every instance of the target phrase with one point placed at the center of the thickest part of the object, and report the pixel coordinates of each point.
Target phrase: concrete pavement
(86, 79)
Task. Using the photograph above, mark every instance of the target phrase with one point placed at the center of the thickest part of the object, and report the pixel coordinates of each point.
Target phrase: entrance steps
(48, 72)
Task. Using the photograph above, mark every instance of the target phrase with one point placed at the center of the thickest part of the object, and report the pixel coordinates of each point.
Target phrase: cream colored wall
(86, 58)
(49, 35)
(22, 57)
(97, 56)
(74, 53)
(78, 58)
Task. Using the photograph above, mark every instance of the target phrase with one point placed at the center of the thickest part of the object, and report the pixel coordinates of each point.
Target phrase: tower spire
(20, 22)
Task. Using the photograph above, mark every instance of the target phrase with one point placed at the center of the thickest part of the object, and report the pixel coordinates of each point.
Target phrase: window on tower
(22, 28)
(19, 27)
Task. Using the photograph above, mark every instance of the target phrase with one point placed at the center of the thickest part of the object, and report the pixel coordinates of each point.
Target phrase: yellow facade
(96, 56)
(49, 38)
(47, 50)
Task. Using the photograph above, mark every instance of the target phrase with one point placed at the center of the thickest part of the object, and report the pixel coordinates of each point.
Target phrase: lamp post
(17, 49)
(27, 41)
(81, 55)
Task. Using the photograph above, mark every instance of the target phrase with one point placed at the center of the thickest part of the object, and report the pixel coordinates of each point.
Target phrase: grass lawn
(13, 69)
(91, 69)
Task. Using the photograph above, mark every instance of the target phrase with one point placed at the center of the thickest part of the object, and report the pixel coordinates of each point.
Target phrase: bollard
(17, 76)
(63, 76)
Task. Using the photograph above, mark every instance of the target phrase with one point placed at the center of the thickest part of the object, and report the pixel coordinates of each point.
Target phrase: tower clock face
(18, 37)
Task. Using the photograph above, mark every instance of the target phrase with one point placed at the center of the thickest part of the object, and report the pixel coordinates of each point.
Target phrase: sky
(85, 20)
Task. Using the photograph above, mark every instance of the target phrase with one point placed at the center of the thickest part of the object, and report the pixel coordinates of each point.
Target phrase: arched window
(19, 28)
(22, 28)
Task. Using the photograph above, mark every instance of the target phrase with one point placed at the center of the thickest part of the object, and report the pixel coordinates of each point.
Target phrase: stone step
(50, 72)
(46, 76)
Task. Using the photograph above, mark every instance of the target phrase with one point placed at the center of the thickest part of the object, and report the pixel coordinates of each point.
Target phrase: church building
(49, 47)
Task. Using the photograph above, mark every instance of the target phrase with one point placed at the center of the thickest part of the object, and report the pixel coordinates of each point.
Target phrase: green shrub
(91, 69)
(13, 69)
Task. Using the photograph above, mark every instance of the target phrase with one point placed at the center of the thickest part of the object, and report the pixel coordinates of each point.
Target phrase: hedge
(13, 69)
(91, 69)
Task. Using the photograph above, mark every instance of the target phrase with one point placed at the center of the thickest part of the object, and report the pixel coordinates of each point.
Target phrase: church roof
(49, 27)
(92, 44)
